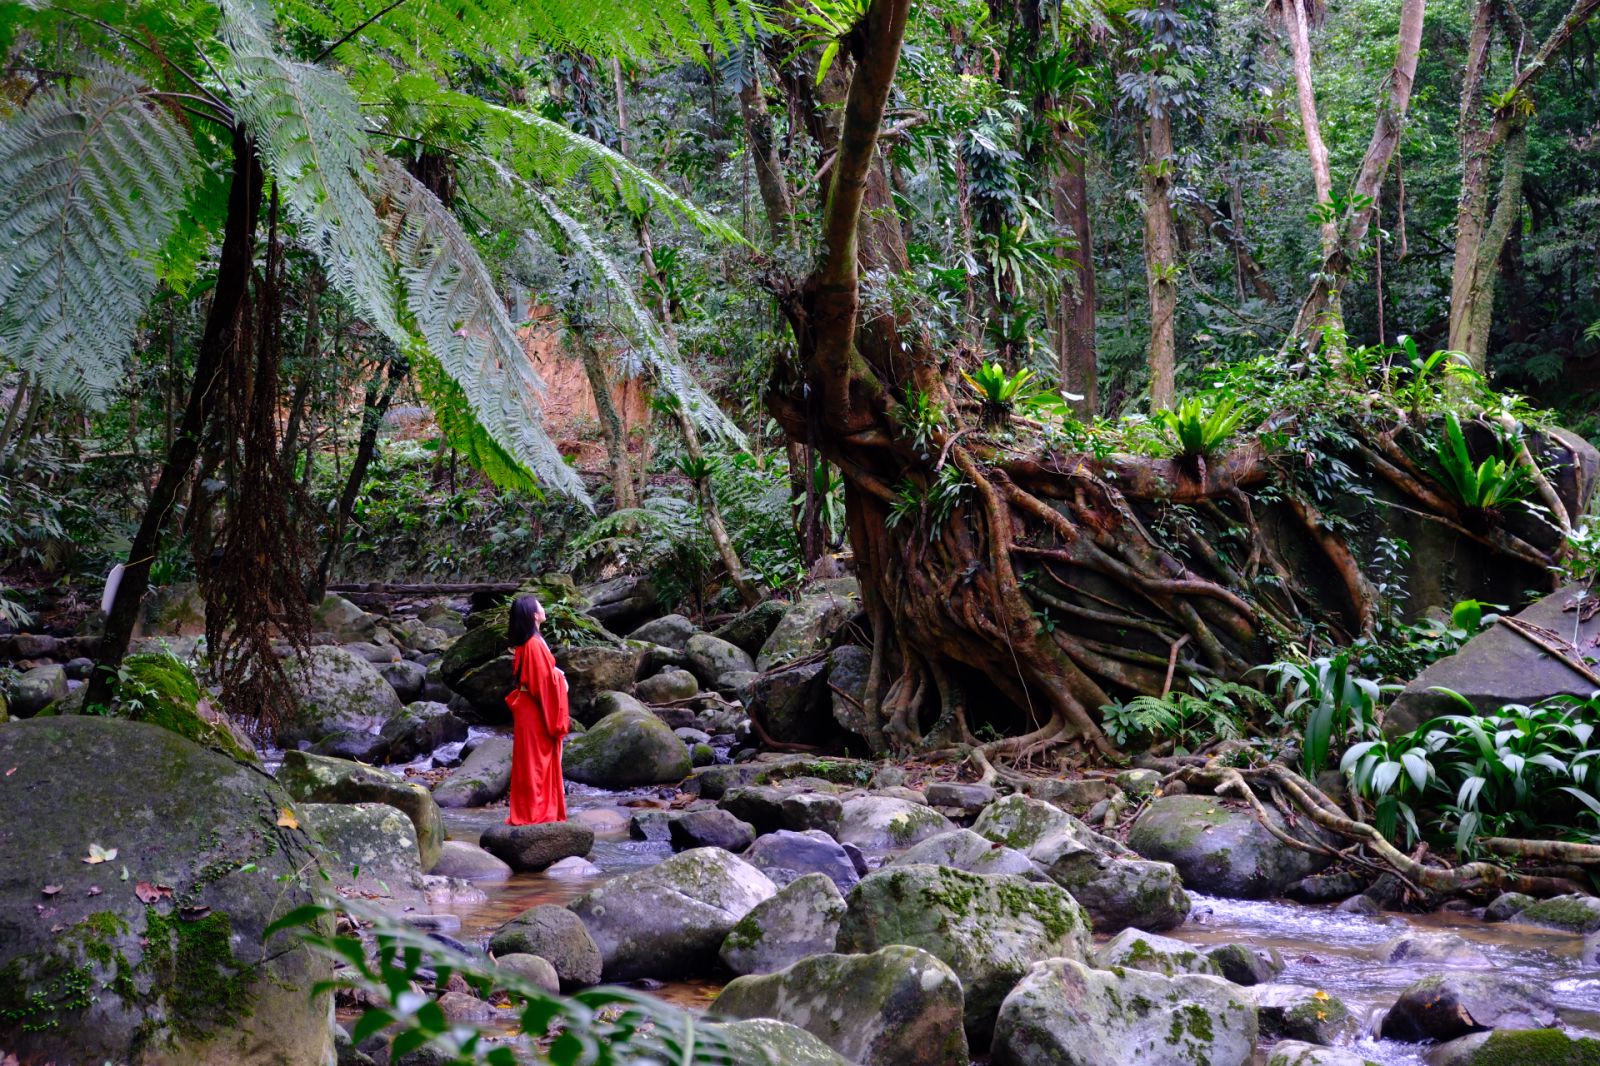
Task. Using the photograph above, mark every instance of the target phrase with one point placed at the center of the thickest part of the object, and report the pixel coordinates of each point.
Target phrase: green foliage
(928, 507)
(1216, 710)
(1333, 701)
(999, 390)
(1198, 431)
(1489, 486)
(596, 1027)
(922, 419)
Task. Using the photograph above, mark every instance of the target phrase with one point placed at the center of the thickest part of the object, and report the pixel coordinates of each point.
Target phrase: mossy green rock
(750, 629)
(488, 638)
(965, 850)
(1065, 1014)
(483, 777)
(625, 749)
(884, 823)
(988, 929)
(372, 845)
(1134, 949)
(765, 1042)
(320, 779)
(1295, 1012)
(1221, 850)
(1509, 1047)
(557, 935)
(898, 1006)
(88, 972)
(336, 691)
(162, 690)
(1445, 1006)
(37, 689)
(1570, 914)
(808, 627)
(343, 620)
(800, 921)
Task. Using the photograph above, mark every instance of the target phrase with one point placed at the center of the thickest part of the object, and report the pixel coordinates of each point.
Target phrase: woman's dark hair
(524, 620)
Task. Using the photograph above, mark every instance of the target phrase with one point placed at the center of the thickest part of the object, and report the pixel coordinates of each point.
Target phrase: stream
(1323, 948)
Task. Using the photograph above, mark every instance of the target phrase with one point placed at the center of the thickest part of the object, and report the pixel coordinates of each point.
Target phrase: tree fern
(448, 402)
(94, 177)
(460, 315)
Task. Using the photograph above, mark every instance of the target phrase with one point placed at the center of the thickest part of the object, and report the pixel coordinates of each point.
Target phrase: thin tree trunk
(1485, 273)
(25, 433)
(19, 400)
(222, 332)
(713, 515)
(1473, 203)
(1160, 255)
(1298, 24)
(764, 153)
(1075, 335)
(611, 427)
(372, 413)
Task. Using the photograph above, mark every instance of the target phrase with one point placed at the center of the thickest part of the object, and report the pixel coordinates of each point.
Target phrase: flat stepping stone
(530, 848)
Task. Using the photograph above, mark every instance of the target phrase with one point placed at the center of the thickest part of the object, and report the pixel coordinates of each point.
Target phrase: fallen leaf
(287, 819)
(50, 890)
(97, 854)
(58, 927)
(194, 913)
(8, 774)
(124, 873)
(149, 893)
(94, 890)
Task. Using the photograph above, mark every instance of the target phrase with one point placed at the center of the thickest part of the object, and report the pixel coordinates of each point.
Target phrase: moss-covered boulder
(808, 627)
(89, 972)
(483, 777)
(1220, 849)
(1570, 914)
(767, 1042)
(669, 920)
(750, 629)
(421, 728)
(319, 779)
(37, 689)
(557, 935)
(1134, 949)
(711, 659)
(885, 823)
(1065, 1014)
(1299, 1053)
(336, 691)
(1295, 1012)
(1509, 1047)
(898, 1006)
(965, 850)
(800, 921)
(988, 929)
(595, 668)
(343, 620)
(371, 845)
(162, 690)
(626, 749)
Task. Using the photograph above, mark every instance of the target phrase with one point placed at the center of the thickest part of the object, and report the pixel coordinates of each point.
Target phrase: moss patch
(192, 963)
(1536, 1047)
(161, 690)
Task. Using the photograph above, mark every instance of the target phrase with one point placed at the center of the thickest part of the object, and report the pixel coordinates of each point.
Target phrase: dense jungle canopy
(1174, 380)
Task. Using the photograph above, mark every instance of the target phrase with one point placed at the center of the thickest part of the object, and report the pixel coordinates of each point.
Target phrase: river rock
(316, 779)
(1570, 914)
(1219, 849)
(37, 689)
(421, 728)
(667, 686)
(898, 1006)
(470, 863)
(483, 777)
(91, 974)
(1445, 1006)
(530, 968)
(711, 828)
(162, 690)
(751, 628)
(343, 620)
(367, 843)
(1133, 949)
(1294, 1012)
(669, 920)
(968, 799)
(965, 850)
(1244, 964)
(530, 848)
(418, 636)
(773, 807)
(1024, 823)
(801, 920)
(711, 657)
(335, 691)
(622, 603)
(714, 782)
(353, 746)
(809, 626)
(1516, 1047)
(1506, 906)
(788, 703)
(484, 688)
(669, 631)
(593, 669)
(556, 935)
(1432, 951)
(785, 855)
(406, 678)
(988, 929)
(625, 749)
(1497, 667)
(1297, 1053)
(1064, 1014)
(376, 654)
(765, 1040)
(882, 823)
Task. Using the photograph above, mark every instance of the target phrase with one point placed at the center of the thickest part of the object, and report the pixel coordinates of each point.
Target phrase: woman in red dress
(539, 713)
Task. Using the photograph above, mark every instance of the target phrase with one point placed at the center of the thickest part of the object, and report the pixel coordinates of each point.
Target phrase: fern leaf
(461, 318)
(448, 402)
(94, 180)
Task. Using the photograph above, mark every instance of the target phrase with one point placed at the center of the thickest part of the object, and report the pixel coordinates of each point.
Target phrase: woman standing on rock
(539, 712)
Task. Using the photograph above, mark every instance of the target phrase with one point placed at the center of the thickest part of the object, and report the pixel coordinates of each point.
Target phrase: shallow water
(1322, 947)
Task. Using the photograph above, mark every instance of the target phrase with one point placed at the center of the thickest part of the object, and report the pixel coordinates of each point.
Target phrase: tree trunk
(713, 515)
(611, 427)
(372, 412)
(1478, 305)
(1160, 255)
(764, 153)
(1075, 332)
(224, 322)
(1476, 157)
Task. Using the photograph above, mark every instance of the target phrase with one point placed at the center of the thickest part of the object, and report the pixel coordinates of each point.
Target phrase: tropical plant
(921, 418)
(1215, 710)
(1335, 703)
(1000, 391)
(1200, 431)
(1486, 489)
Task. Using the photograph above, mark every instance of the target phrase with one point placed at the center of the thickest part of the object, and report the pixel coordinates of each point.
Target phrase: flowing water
(1323, 948)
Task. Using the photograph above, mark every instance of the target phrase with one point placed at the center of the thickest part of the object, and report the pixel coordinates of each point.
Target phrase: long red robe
(539, 712)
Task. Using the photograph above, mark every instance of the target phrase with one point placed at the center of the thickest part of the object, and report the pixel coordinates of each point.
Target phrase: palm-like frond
(451, 410)
(94, 177)
(459, 313)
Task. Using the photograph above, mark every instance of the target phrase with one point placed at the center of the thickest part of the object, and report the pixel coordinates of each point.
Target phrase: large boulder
(669, 920)
(669, 631)
(965, 850)
(711, 658)
(1298, 1053)
(801, 920)
(808, 627)
(162, 690)
(1221, 850)
(773, 807)
(483, 776)
(372, 845)
(1514, 1047)
(343, 620)
(531, 848)
(1445, 1006)
(595, 668)
(1499, 666)
(1065, 1014)
(668, 686)
(751, 628)
(766, 1042)
(556, 935)
(786, 855)
(91, 973)
(335, 691)
(988, 929)
(1571, 914)
(622, 603)
(711, 828)
(848, 667)
(421, 728)
(791, 703)
(898, 1006)
(469, 863)
(625, 749)
(885, 823)
(1295, 1012)
(316, 779)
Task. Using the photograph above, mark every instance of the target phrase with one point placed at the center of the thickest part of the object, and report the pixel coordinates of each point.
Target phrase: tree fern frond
(654, 348)
(311, 137)
(94, 178)
(461, 318)
(448, 402)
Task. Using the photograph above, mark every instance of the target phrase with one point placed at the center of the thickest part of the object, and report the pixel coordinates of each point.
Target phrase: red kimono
(539, 712)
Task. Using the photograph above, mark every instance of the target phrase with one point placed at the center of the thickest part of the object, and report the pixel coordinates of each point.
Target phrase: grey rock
(530, 968)
(1432, 950)
(470, 863)
(1299, 1053)
(531, 848)
(1570, 914)
(764, 1040)
(667, 686)
(1506, 906)
(1445, 1006)
(785, 856)
(808, 626)
(343, 620)
(969, 799)
(593, 669)
(710, 658)
(881, 823)
(360, 746)
(848, 667)
(773, 807)
(750, 629)
(420, 728)
(963, 849)
(1246, 965)
(376, 654)
(483, 776)
(1219, 849)
(37, 689)
(652, 824)
(1535, 1047)
(622, 603)
(1078, 793)
(625, 749)
(1294, 1012)
(315, 779)
(801, 920)
(669, 631)
(711, 828)
(556, 935)
(1134, 949)
(367, 844)
(406, 678)
(789, 703)
(1138, 781)
(335, 691)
